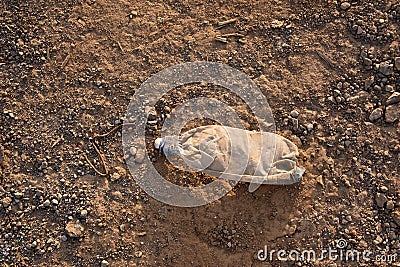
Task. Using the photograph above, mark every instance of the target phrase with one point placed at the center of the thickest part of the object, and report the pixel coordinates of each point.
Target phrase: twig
(221, 39)
(120, 46)
(99, 154)
(226, 22)
(235, 34)
(65, 62)
(325, 59)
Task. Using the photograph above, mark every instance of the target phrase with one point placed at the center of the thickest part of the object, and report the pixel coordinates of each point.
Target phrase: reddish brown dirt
(68, 70)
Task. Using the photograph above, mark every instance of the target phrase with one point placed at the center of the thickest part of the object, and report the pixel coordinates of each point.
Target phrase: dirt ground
(68, 70)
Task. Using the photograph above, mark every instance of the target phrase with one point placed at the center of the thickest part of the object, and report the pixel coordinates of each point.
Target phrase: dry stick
(64, 63)
(235, 34)
(100, 155)
(226, 22)
(325, 59)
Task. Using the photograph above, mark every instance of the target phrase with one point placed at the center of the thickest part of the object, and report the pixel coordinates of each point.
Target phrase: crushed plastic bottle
(235, 154)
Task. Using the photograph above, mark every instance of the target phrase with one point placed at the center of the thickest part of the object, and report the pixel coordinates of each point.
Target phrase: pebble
(74, 229)
(46, 203)
(386, 68)
(1, 154)
(139, 158)
(390, 205)
(378, 240)
(368, 82)
(380, 199)
(138, 254)
(295, 123)
(6, 202)
(54, 202)
(397, 63)
(367, 61)
(392, 113)
(376, 114)
(345, 5)
(133, 150)
(396, 217)
(294, 114)
(310, 127)
(104, 263)
(393, 99)
(83, 214)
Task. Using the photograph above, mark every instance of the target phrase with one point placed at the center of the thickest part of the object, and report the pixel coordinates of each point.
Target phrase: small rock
(367, 61)
(389, 88)
(386, 68)
(104, 263)
(392, 113)
(393, 99)
(310, 127)
(46, 203)
(18, 195)
(380, 199)
(384, 188)
(295, 123)
(83, 214)
(138, 254)
(294, 114)
(396, 217)
(1, 154)
(376, 114)
(390, 205)
(368, 82)
(345, 5)
(133, 150)
(139, 158)
(359, 30)
(74, 229)
(54, 202)
(6, 202)
(378, 240)
(115, 176)
(397, 63)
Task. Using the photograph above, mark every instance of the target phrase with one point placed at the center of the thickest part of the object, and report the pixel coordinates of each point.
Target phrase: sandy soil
(68, 70)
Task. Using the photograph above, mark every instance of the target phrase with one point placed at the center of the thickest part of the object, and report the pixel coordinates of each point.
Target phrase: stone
(386, 68)
(392, 113)
(376, 114)
(345, 5)
(390, 205)
(74, 229)
(6, 202)
(295, 123)
(54, 202)
(294, 114)
(368, 82)
(132, 150)
(367, 61)
(393, 99)
(378, 240)
(1, 154)
(396, 217)
(46, 203)
(380, 199)
(397, 63)
(83, 214)
(104, 263)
